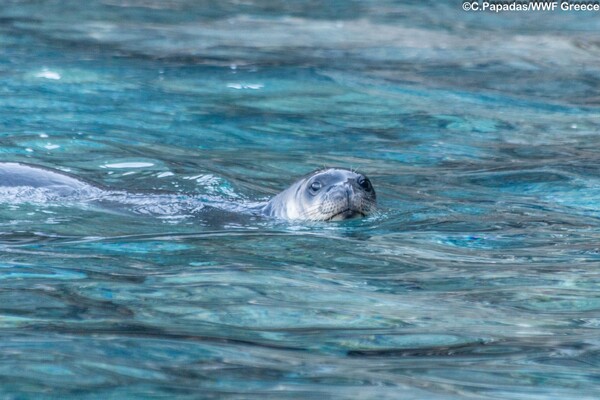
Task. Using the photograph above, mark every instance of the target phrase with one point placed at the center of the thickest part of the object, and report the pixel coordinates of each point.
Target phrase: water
(478, 278)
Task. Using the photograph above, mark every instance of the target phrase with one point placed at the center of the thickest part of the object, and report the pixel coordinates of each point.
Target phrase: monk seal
(35, 177)
(324, 195)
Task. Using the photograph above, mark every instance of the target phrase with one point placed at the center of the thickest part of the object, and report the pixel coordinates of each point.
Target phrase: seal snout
(342, 193)
(341, 202)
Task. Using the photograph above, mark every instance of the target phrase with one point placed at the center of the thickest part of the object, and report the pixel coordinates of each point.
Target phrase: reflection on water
(477, 279)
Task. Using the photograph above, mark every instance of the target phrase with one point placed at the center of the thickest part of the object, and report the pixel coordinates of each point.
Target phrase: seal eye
(364, 183)
(315, 186)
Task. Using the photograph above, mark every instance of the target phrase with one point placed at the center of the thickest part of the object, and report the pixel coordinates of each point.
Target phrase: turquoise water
(478, 278)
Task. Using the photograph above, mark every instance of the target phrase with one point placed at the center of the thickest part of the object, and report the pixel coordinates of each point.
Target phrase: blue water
(478, 278)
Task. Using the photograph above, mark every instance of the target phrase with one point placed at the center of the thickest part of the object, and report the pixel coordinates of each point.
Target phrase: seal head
(325, 195)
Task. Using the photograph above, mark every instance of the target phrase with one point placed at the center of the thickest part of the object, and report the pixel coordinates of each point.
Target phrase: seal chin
(346, 214)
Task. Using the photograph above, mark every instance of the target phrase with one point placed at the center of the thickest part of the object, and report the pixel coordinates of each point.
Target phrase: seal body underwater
(324, 195)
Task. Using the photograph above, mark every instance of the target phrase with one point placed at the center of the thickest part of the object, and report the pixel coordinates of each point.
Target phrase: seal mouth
(347, 213)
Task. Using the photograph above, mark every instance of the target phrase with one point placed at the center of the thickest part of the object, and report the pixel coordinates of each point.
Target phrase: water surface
(478, 278)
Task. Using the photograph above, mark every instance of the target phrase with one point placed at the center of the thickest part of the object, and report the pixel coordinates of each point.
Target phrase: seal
(32, 176)
(324, 195)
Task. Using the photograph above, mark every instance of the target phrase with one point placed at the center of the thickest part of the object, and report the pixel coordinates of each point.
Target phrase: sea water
(479, 277)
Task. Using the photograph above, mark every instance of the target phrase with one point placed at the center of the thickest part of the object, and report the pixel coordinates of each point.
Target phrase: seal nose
(349, 185)
(348, 191)
(342, 193)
